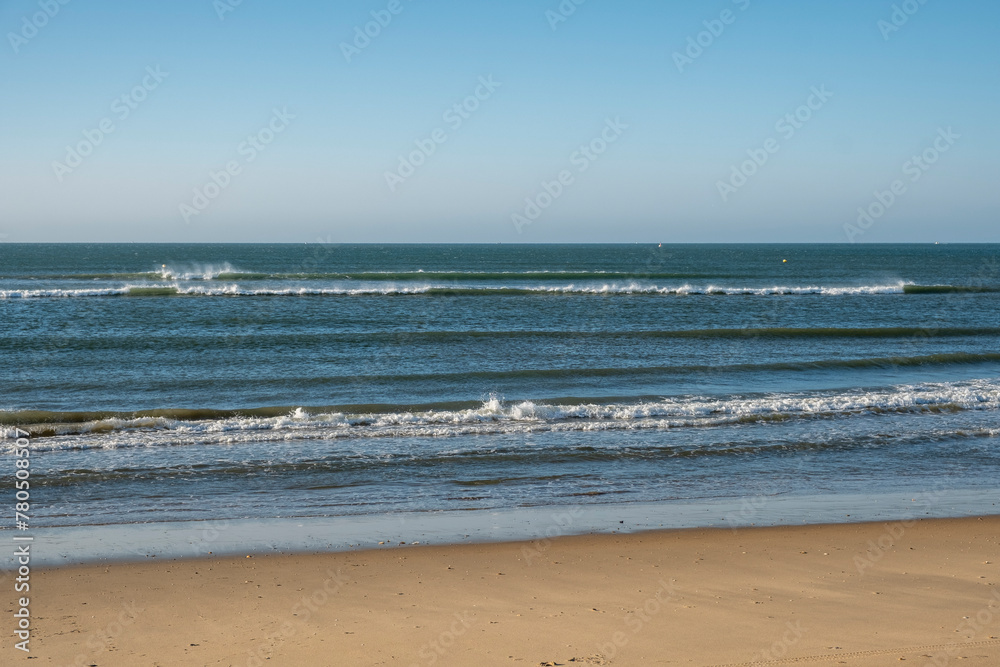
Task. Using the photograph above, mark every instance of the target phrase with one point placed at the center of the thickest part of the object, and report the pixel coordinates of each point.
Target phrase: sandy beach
(923, 592)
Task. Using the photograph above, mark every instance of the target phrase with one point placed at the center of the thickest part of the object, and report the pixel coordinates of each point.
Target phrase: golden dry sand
(923, 593)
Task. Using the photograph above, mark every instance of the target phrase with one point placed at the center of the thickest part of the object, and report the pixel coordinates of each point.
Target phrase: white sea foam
(494, 416)
(57, 293)
(182, 286)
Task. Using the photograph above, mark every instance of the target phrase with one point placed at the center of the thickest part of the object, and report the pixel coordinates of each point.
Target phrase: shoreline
(859, 593)
(139, 542)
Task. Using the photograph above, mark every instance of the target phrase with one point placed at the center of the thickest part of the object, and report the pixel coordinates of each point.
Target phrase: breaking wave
(186, 289)
(193, 427)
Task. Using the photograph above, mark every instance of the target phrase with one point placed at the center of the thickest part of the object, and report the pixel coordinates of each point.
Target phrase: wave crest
(181, 287)
(493, 415)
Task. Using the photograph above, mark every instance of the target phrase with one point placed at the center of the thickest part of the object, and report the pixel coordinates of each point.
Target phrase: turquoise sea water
(167, 383)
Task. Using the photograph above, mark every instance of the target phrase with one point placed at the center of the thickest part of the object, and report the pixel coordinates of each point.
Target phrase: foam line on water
(496, 416)
(349, 288)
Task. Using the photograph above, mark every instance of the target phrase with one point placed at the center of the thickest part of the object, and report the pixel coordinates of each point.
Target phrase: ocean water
(166, 383)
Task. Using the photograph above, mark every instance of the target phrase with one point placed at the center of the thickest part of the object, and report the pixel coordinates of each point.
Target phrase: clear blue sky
(324, 174)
